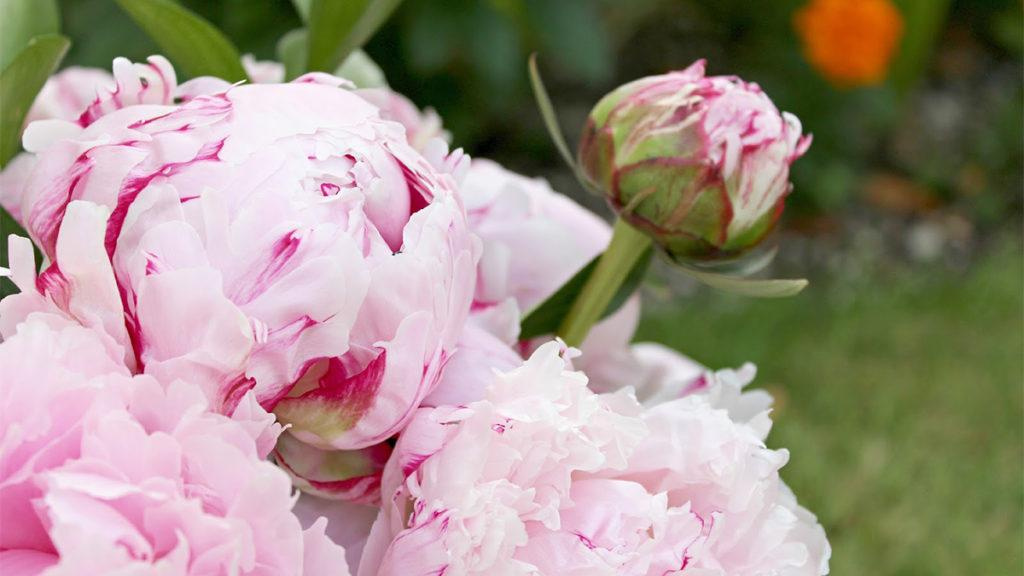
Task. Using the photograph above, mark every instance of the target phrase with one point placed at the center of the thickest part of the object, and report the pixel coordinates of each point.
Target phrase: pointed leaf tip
(194, 45)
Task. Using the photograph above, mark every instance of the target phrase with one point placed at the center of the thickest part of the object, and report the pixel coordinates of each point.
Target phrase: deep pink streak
(133, 185)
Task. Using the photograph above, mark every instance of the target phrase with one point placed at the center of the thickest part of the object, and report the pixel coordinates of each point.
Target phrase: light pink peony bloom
(102, 472)
(721, 471)
(279, 238)
(544, 476)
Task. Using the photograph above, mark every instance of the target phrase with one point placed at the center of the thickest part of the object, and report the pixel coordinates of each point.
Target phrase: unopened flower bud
(701, 164)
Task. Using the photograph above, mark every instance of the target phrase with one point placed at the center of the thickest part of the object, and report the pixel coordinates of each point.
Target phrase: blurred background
(898, 374)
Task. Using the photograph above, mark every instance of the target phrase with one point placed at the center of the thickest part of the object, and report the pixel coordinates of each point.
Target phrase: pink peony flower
(102, 472)
(282, 239)
(544, 476)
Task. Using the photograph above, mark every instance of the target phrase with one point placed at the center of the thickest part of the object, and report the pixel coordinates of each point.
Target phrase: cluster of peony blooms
(276, 331)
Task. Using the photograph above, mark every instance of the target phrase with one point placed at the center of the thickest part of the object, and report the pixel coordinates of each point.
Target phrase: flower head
(108, 473)
(544, 476)
(700, 164)
(275, 238)
(851, 42)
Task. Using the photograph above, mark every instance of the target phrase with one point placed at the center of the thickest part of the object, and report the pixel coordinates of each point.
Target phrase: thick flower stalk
(109, 473)
(544, 476)
(278, 239)
(534, 240)
(700, 164)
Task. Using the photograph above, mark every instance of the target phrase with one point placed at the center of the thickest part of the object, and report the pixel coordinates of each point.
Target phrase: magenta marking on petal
(413, 462)
(280, 254)
(358, 489)
(48, 213)
(54, 284)
(695, 385)
(481, 305)
(348, 397)
(329, 189)
(234, 391)
(586, 541)
(357, 390)
(152, 264)
(133, 185)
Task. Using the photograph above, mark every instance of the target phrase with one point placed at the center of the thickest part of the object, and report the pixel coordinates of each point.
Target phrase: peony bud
(700, 164)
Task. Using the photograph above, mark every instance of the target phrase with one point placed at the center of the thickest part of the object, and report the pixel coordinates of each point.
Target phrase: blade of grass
(337, 27)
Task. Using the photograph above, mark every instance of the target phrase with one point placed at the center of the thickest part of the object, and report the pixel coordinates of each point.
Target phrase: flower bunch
(276, 331)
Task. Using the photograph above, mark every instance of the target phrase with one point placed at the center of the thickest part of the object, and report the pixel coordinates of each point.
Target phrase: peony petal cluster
(105, 472)
(545, 476)
(279, 239)
(249, 289)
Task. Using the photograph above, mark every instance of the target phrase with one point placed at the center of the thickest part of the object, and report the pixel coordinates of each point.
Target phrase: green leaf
(337, 27)
(194, 45)
(744, 266)
(20, 82)
(548, 315)
(359, 68)
(8, 226)
(362, 71)
(547, 112)
(302, 7)
(22, 20)
(756, 288)
(923, 22)
(291, 51)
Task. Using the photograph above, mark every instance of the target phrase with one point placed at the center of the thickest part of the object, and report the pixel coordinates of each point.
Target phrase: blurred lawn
(902, 408)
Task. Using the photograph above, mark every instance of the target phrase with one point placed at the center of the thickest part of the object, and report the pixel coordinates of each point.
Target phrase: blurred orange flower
(850, 42)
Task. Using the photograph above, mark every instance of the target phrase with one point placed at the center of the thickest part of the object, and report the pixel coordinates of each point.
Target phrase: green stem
(626, 247)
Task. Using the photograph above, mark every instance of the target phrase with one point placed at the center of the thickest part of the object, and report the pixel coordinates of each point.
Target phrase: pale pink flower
(102, 472)
(544, 476)
(721, 471)
(282, 239)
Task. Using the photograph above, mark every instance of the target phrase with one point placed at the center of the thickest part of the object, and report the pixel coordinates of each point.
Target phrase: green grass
(901, 404)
